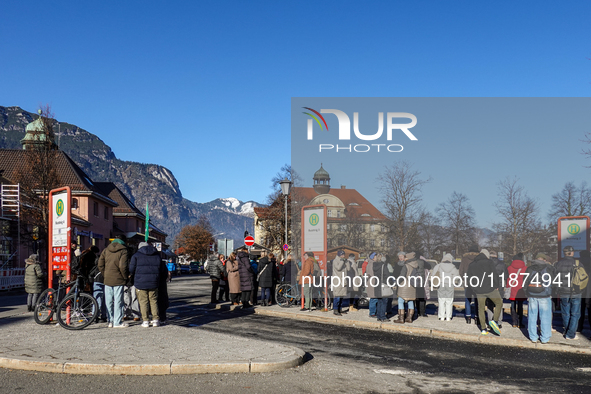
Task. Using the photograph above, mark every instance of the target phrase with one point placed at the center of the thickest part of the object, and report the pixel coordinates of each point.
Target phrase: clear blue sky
(204, 88)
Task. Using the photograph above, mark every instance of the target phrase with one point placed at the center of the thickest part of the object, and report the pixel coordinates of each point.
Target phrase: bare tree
(519, 224)
(570, 201)
(272, 219)
(195, 239)
(457, 216)
(37, 177)
(432, 235)
(401, 190)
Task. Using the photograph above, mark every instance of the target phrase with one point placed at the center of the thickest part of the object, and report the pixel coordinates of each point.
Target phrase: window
(343, 227)
(106, 212)
(329, 213)
(372, 228)
(382, 242)
(74, 203)
(373, 243)
(338, 214)
(328, 226)
(96, 209)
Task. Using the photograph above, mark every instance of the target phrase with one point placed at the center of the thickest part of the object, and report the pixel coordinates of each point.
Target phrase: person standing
(370, 290)
(215, 269)
(354, 291)
(487, 288)
(170, 267)
(515, 283)
(467, 259)
(538, 289)
(306, 279)
(446, 271)
(224, 289)
(503, 274)
(114, 265)
(246, 277)
(570, 299)
(340, 270)
(285, 270)
(95, 277)
(585, 261)
(275, 278)
(265, 278)
(33, 281)
(407, 288)
(233, 279)
(146, 268)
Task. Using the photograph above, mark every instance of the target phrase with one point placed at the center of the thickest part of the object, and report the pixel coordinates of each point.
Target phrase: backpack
(317, 271)
(580, 279)
(535, 282)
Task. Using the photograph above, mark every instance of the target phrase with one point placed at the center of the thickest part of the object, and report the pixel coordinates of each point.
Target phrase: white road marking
(584, 369)
(396, 372)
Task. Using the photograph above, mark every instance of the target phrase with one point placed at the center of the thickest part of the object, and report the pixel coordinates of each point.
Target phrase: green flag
(147, 223)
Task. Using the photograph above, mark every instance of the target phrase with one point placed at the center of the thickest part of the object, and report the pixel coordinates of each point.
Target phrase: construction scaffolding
(10, 210)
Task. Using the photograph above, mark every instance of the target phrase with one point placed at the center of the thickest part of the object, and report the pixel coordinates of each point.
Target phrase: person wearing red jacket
(515, 282)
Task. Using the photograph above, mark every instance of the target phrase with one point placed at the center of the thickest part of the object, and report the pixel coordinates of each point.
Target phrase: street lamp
(285, 186)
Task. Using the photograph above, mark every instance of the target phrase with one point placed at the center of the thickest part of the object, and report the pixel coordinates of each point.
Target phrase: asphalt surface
(339, 359)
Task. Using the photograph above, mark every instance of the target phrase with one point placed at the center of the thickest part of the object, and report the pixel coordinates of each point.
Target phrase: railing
(12, 278)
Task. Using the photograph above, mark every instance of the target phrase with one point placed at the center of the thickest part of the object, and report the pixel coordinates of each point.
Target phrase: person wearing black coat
(285, 270)
(147, 269)
(484, 282)
(246, 276)
(585, 261)
(265, 277)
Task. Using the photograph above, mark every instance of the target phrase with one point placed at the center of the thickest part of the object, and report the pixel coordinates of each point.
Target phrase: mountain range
(142, 183)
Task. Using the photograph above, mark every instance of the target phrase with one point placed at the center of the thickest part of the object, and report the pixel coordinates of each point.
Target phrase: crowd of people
(126, 286)
(134, 286)
(238, 278)
(486, 281)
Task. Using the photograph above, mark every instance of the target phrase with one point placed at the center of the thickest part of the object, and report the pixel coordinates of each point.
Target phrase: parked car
(195, 267)
(185, 268)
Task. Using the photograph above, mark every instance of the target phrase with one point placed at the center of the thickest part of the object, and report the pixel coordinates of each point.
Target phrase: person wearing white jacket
(446, 271)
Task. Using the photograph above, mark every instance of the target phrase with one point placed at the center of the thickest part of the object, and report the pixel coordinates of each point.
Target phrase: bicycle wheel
(44, 307)
(281, 295)
(77, 311)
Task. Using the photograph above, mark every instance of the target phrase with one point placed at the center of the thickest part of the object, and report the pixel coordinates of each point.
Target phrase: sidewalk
(456, 329)
(135, 350)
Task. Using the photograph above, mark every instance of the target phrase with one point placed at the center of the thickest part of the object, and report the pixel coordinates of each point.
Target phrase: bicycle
(75, 311)
(287, 295)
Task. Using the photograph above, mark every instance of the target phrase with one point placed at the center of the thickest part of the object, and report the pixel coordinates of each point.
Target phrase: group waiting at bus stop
(134, 286)
(485, 280)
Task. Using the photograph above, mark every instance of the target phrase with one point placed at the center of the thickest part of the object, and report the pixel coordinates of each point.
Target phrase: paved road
(341, 359)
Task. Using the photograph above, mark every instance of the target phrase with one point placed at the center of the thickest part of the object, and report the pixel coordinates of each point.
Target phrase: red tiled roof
(348, 197)
(13, 160)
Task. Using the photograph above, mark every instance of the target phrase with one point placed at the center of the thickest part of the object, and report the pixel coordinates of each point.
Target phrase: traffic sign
(285, 247)
(249, 240)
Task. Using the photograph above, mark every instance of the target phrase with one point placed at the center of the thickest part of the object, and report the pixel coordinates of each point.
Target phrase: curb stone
(288, 359)
(407, 329)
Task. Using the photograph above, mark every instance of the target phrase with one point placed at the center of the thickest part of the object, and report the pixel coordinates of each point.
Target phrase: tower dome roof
(321, 173)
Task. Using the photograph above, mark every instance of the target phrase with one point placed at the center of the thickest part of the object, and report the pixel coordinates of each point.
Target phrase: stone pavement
(456, 329)
(135, 350)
